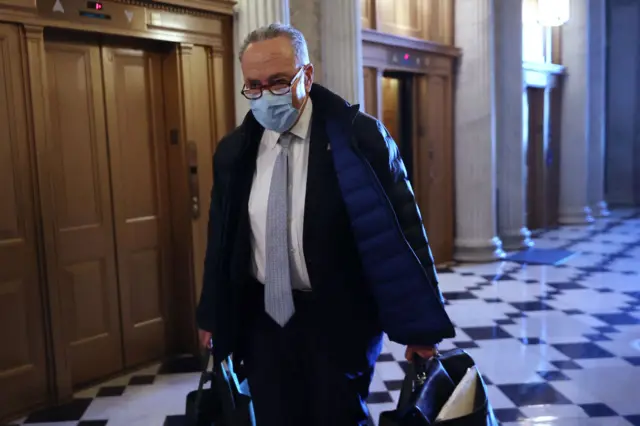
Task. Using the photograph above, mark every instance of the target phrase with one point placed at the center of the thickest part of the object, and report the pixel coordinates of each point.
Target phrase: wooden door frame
(176, 24)
(422, 59)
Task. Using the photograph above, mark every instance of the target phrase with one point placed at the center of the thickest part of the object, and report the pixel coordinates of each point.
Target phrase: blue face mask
(276, 112)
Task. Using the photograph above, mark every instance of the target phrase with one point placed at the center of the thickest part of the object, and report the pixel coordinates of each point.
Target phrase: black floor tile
(406, 367)
(466, 345)
(142, 380)
(505, 322)
(458, 295)
(93, 423)
(386, 358)
(532, 341)
(108, 391)
(178, 365)
(634, 420)
(531, 306)
(69, 412)
(597, 337)
(618, 319)
(583, 350)
(566, 286)
(486, 333)
(633, 360)
(598, 410)
(393, 385)
(379, 398)
(533, 394)
(553, 376)
(566, 365)
(504, 277)
(509, 414)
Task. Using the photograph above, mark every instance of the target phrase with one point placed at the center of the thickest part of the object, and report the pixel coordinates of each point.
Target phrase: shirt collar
(300, 130)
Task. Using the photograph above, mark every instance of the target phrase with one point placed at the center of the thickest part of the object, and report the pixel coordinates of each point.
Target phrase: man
(315, 246)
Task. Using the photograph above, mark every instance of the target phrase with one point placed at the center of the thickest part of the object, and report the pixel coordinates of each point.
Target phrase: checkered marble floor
(558, 345)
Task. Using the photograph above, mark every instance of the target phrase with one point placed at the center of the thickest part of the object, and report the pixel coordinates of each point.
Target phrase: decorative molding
(542, 75)
(377, 37)
(390, 52)
(130, 18)
(185, 7)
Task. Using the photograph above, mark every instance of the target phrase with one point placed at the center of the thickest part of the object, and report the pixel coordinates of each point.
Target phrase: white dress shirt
(298, 166)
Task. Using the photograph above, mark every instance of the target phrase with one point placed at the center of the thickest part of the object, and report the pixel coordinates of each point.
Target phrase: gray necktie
(278, 297)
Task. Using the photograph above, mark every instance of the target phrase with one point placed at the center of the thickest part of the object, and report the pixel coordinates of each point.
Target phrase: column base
(479, 251)
(582, 216)
(517, 240)
(601, 209)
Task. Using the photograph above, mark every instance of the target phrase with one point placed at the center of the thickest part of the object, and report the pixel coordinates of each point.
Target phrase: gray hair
(269, 32)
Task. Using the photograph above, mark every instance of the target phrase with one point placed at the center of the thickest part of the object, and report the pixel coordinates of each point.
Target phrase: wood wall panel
(182, 319)
(202, 132)
(23, 374)
(430, 20)
(372, 89)
(367, 8)
(19, 4)
(403, 17)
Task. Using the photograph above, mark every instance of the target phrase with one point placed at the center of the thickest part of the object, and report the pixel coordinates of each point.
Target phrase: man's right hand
(205, 339)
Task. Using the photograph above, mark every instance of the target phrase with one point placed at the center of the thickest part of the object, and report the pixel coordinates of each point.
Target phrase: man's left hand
(424, 352)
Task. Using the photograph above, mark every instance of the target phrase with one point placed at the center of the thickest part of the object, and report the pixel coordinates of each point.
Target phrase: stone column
(475, 133)
(341, 42)
(249, 15)
(510, 131)
(306, 16)
(597, 105)
(575, 133)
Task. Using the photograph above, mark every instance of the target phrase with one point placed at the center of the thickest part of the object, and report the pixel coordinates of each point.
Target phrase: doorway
(417, 110)
(397, 114)
(543, 171)
(110, 200)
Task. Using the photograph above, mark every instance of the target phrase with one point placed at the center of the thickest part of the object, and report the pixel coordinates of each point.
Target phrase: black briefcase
(223, 403)
(428, 386)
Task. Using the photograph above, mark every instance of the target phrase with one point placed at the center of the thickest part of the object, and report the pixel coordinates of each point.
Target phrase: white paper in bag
(461, 402)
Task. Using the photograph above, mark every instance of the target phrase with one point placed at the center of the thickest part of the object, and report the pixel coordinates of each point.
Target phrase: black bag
(427, 388)
(223, 403)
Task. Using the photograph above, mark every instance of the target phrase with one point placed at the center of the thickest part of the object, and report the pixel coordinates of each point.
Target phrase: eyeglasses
(278, 89)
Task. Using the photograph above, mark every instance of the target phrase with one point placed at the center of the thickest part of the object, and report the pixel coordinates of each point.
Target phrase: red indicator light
(98, 6)
(406, 56)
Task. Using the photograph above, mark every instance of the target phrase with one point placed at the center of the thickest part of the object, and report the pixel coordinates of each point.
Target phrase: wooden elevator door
(133, 88)
(79, 181)
(110, 205)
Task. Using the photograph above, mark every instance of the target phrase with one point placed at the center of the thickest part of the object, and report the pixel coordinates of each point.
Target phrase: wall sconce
(553, 13)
